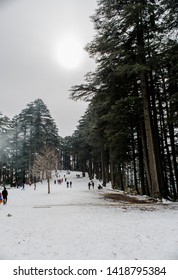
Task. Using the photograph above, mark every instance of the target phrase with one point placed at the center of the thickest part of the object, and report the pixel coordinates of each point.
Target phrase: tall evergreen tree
(30, 131)
(129, 46)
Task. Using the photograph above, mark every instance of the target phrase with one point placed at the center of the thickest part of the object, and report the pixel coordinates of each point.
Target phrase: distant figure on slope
(93, 184)
(4, 195)
(89, 185)
(67, 184)
(70, 184)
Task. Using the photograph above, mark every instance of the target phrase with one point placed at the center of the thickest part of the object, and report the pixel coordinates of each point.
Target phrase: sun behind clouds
(69, 52)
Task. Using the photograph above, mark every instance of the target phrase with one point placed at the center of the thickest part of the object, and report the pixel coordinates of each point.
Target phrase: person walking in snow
(89, 185)
(70, 184)
(67, 184)
(4, 195)
(1, 200)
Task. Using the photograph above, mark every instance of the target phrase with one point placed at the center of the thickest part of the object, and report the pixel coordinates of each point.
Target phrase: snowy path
(75, 223)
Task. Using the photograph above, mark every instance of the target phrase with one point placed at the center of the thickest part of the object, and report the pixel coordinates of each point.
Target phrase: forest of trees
(129, 133)
(22, 141)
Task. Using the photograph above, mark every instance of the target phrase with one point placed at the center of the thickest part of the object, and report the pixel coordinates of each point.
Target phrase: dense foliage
(131, 123)
(24, 137)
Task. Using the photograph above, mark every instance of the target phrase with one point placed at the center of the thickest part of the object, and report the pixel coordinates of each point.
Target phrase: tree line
(129, 132)
(29, 145)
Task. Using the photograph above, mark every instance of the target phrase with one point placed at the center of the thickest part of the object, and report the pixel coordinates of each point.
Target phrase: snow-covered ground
(77, 223)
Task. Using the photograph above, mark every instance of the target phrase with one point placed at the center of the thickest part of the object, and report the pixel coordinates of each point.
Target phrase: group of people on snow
(4, 194)
(60, 181)
(91, 184)
(69, 184)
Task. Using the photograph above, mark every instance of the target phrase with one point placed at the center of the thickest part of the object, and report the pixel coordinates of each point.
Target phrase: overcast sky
(34, 35)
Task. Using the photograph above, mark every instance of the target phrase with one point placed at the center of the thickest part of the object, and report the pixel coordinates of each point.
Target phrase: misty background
(30, 31)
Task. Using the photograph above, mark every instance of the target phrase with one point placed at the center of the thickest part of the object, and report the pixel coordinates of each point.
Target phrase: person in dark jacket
(1, 199)
(4, 195)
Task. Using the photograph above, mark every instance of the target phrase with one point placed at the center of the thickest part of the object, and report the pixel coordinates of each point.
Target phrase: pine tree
(29, 132)
(131, 42)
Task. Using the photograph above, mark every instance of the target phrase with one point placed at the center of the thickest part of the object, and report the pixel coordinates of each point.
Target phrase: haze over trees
(129, 133)
(22, 139)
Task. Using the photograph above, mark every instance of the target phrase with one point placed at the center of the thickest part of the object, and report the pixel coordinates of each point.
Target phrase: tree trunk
(153, 179)
(145, 156)
(154, 186)
(120, 179)
(134, 162)
(112, 174)
(141, 162)
(103, 167)
(90, 168)
(48, 185)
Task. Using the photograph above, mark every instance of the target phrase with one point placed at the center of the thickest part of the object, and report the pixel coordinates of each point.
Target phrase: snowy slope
(77, 223)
